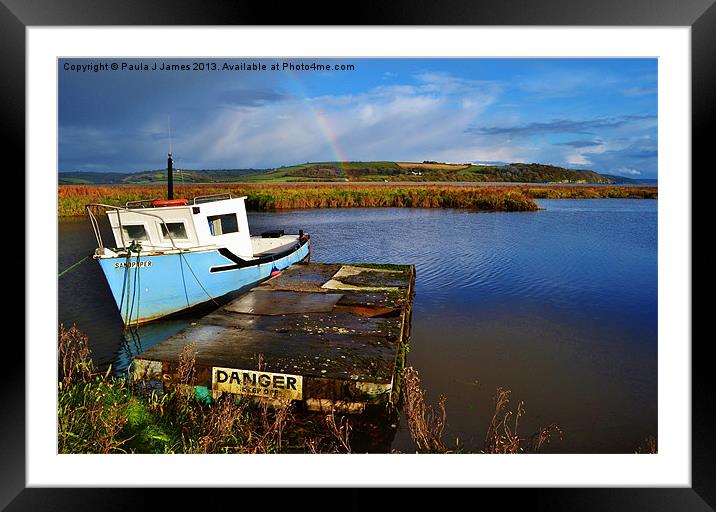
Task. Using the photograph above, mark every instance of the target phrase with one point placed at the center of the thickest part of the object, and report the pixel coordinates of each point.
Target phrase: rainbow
(324, 125)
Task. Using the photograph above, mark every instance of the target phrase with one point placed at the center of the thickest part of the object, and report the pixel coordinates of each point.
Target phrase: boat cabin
(163, 225)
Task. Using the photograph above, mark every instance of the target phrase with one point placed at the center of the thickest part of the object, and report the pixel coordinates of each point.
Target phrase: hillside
(156, 177)
(356, 172)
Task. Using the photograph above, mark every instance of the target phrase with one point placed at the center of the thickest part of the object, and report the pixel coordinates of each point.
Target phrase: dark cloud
(560, 126)
(645, 153)
(252, 97)
(580, 143)
(637, 158)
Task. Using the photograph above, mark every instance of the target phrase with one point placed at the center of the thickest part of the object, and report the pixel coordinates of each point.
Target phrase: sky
(598, 114)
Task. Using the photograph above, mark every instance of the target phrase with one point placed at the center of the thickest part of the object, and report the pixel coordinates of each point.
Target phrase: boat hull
(147, 288)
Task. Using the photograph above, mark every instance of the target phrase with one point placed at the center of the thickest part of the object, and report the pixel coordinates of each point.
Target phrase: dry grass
(74, 355)
(426, 422)
(217, 424)
(340, 430)
(186, 371)
(648, 445)
(73, 198)
(264, 197)
(329, 433)
(502, 434)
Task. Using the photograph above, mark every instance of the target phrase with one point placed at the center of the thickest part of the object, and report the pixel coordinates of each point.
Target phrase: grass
(426, 422)
(102, 413)
(266, 197)
(609, 192)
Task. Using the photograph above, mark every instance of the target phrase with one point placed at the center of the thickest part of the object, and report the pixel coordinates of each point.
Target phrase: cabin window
(223, 224)
(135, 232)
(177, 230)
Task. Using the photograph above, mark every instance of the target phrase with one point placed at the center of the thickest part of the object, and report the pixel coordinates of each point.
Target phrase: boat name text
(132, 264)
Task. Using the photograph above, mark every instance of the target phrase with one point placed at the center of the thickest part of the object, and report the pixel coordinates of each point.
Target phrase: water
(558, 305)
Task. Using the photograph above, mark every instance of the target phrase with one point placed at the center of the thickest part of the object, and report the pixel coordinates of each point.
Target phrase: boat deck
(267, 246)
(337, 332)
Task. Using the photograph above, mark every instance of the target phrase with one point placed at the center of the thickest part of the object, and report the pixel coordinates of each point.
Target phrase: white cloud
(627, 170)
(577, 159)
(401, 122)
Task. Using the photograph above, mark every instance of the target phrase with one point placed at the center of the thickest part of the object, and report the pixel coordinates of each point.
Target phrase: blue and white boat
(174, 254)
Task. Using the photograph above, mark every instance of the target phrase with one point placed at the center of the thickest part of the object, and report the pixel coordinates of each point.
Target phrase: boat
(171, 255)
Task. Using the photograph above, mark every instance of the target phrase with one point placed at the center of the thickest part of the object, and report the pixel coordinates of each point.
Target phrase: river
(558, 305)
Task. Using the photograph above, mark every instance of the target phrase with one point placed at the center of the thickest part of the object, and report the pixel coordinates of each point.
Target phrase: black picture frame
(17, 15)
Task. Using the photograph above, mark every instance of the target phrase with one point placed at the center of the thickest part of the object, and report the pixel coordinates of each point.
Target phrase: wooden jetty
(332, 336)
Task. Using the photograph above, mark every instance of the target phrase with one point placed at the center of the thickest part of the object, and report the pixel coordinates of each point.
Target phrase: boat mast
(170, 178)
(170, 170)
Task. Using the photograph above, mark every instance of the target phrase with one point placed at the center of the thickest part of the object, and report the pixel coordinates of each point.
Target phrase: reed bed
(606, 192)
(73, 198)
(261, 197)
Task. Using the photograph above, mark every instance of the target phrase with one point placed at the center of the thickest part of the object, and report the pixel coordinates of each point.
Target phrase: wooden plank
(337, 345)
(302, 278)
(278, 302)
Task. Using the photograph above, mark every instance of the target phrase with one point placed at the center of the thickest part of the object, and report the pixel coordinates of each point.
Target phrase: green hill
(355, 172)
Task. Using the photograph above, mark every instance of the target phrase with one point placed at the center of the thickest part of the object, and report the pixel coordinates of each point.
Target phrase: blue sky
(598, 114)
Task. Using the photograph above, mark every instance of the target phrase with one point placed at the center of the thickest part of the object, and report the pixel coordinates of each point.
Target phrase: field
(266, 197)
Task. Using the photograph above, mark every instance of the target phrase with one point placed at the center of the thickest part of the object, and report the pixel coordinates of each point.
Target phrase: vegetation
(102, 413)
(426, 423)
(265, 197)
(612, 192)
(72, 199)
(381, 171)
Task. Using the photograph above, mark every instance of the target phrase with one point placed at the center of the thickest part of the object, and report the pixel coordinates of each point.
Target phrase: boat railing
(211, 197)
(119, 210)
(141, 202)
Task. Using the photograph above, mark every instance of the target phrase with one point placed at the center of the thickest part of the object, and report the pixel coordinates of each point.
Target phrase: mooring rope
(197, 279)
(127, 316)
(137, 290)
(183, 280)
(125, 280)
(72, 267)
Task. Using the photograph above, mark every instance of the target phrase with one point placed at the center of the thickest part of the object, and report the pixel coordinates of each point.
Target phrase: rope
(134, 292)
(128, 313)
(72, 267)
(197, 280)
(183, 279)
(137, 286)
(125, 282)
(137, 290)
